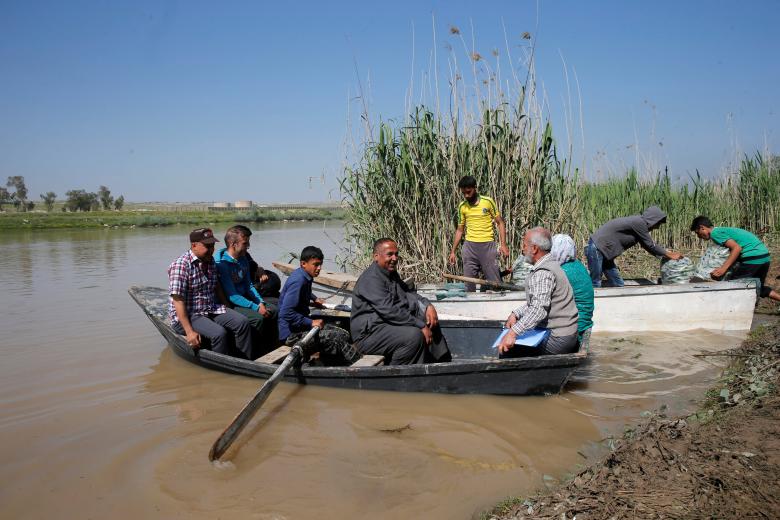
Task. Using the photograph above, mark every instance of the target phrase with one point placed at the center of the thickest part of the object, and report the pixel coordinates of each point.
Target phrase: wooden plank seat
(275, 357)
(369, 361)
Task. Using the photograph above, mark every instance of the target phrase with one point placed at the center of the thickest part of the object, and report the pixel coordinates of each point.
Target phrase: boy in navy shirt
(333, 343)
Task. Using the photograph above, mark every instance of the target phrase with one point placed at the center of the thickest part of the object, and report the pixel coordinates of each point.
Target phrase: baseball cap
(203, 235)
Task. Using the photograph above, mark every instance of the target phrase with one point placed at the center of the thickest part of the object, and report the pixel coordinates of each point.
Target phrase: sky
(225, 101)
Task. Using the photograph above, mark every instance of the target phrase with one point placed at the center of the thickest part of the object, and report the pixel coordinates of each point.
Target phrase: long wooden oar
(224, 441)
(500, 285)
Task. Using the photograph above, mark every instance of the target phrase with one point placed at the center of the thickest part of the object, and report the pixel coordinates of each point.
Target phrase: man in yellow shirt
(476, 215)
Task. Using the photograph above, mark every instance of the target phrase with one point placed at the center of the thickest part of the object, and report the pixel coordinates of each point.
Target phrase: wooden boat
(643, 306)
(474, 369)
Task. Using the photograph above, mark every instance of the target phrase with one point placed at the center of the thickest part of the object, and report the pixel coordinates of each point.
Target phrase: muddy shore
(722, 462)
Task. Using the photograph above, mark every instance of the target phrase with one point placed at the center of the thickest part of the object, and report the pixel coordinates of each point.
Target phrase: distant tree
(5, 197)
(119, 202)
(80, 200)
(20, 196)
(30, 205)
(49, 199)
(105, 197)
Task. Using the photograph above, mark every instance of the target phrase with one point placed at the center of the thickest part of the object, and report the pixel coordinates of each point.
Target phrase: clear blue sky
(200, 101)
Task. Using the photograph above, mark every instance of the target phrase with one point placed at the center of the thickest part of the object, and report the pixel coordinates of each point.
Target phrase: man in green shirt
(748, 256)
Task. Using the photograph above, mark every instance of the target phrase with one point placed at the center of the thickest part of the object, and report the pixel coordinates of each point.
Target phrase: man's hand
(673, 255)
(428, 335)
(318, 323)
(319, 303)
(193, 339)
(504, 251)
(718, 273)
(431, 317)
(263, 310)
(507, 342)
(453, 259)
(511, 320)
(263, 278)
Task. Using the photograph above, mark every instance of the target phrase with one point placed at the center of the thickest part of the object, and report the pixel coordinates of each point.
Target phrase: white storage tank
(243, 204)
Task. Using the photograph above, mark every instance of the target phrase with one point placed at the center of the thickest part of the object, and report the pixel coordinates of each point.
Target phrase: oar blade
(240, 421)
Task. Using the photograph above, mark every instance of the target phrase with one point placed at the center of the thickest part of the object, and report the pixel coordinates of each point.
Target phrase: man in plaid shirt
(196, 307)
(549, 303)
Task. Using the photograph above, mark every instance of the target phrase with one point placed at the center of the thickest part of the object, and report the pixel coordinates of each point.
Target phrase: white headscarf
(563, 248)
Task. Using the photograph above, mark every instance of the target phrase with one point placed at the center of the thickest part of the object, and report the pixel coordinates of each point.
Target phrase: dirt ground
(722, 462)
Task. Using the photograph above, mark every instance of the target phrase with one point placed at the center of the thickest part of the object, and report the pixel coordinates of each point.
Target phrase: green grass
(94, 219)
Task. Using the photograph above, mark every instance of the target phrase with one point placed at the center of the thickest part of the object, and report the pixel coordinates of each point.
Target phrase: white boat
(706, 305)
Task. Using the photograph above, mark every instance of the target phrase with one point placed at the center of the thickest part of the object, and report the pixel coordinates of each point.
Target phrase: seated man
(333, 343)
(390, 320)
(549, 303)
(233, 268)
(194, 307)
(748, 256)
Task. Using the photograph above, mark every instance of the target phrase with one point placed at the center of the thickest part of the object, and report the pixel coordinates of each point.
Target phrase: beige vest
(563, 314)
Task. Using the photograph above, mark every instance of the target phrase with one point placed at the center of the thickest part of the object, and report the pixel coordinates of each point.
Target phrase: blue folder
(531, 338)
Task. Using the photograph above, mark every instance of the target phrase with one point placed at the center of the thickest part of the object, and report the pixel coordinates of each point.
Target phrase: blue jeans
(597, 265)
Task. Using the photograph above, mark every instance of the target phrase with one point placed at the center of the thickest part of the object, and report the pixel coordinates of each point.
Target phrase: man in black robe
(389, 319)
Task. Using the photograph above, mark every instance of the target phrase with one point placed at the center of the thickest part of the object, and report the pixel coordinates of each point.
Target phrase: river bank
(145, 217)
(721, 462)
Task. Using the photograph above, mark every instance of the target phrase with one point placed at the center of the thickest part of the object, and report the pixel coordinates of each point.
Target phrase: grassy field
(145, 217)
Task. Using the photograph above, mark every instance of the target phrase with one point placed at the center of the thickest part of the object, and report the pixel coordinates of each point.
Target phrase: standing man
(234, 277)
(748, 255)
(615, 236)
(476, 215)
(196, 306)
(549, 303)
(389, 319)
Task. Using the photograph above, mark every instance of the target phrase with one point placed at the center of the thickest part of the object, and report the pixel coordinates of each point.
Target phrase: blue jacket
(294, 304)
(234, 277)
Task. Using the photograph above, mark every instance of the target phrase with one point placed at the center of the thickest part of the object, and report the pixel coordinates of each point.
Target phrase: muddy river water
(99, 419)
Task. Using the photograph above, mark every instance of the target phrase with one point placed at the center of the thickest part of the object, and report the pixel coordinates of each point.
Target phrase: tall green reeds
(403, 184)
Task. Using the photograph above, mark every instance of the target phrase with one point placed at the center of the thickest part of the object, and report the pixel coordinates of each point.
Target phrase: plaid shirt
(538, 292)
(188, 278)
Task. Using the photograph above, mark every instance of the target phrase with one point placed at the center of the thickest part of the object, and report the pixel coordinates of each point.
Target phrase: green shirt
(753, 250)
(580, 281)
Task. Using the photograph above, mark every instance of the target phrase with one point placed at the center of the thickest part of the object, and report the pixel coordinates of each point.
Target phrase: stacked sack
(451, 290)
(713, 258)
(676, 271)
(520, 270)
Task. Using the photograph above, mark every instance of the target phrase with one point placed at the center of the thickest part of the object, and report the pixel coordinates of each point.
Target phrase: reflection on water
(100, 419)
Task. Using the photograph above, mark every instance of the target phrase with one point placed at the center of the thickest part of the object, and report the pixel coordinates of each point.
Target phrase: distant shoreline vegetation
(151, 215)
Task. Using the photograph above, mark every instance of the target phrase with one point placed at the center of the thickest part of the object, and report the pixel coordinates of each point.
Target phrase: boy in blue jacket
(233, 267)
(333, 343)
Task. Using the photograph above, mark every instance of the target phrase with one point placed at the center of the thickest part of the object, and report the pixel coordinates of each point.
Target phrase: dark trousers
(551, 345)
(404, 345)
(333, 344)
(759, 271)
(598, 265)
(480, 256)
(265, 332)
(217, 327)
